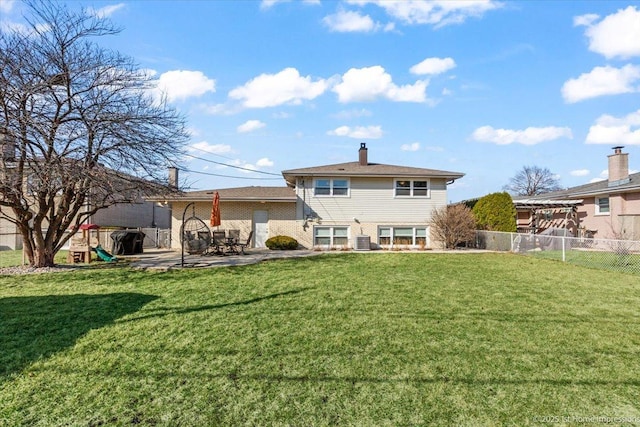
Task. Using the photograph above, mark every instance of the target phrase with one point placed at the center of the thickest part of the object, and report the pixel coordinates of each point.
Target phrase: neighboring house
(607, 209)
(346, 205)
(141, 214)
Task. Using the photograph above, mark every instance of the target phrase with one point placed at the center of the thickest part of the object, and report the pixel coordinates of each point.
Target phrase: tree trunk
(43, 257)
(38, 255)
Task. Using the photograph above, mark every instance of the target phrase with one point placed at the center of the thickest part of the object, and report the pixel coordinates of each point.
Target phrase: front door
(260, 228)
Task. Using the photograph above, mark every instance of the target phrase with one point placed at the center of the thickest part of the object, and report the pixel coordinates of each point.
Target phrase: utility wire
(227, 176)
(233, 166)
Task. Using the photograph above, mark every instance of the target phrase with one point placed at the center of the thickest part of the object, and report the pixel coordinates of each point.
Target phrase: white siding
(372, 200)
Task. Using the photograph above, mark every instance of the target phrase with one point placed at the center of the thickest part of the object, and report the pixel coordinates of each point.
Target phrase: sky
(482, 88)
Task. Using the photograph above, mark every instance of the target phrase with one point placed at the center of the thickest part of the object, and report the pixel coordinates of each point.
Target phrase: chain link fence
(604, 254)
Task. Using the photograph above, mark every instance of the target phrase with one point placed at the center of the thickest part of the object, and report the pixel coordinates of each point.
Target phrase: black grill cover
(127, 242)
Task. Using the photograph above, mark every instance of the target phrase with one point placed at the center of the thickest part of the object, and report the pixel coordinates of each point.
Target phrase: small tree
(78, 128)
(453, 225)
(495, 212)
(533, 180)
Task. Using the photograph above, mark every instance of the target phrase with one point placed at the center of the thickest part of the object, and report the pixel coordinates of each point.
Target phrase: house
(138, 213)
(347, 205)
(142, 214)
(606, 209)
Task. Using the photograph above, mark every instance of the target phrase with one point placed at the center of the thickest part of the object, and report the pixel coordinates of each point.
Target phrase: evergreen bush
(282, 243)
(495, 212)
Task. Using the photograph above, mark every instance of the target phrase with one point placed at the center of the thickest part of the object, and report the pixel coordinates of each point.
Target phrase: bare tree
(79, 129)
(531, 181)
(453, 225)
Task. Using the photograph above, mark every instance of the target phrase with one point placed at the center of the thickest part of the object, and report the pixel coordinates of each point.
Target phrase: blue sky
(478, 87)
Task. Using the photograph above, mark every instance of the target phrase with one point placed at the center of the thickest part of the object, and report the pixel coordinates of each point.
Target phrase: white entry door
(260, 228)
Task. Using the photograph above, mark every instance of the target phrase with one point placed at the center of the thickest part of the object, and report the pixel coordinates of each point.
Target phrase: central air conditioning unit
(363, 243)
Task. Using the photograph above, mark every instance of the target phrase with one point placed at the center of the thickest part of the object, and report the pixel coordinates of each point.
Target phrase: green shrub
(495, 212)
(282, 243)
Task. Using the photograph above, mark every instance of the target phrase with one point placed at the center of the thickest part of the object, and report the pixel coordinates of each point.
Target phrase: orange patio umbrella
(215, 210)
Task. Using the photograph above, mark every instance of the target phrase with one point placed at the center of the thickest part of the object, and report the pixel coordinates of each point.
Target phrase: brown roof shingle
(240, 194)
(371, 170)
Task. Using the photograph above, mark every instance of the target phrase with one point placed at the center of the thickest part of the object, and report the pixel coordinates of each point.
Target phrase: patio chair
(234, 235)
(231, 242)
(245, 244)
(217, 242)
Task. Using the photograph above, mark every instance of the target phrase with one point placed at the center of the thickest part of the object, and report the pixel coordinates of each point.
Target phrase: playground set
(81, 248)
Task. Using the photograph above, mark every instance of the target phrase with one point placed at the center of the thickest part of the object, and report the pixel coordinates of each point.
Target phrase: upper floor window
(331, 187)
(410, 188)
(602, 206)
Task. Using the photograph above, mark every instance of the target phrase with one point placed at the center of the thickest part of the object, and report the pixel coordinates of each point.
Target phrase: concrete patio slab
(165, 259)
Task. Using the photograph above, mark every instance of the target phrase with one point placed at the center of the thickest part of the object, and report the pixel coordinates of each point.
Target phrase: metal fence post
(564, 259)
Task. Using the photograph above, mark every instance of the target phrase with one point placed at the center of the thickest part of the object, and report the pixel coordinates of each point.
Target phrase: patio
(166, 259)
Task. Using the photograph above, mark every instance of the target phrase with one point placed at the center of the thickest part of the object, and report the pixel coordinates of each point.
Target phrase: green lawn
(338, 339)
(14, 258)
(627, 263)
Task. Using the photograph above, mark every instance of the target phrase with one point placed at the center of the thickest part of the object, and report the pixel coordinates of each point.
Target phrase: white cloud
(6, 5)
(285, 87)
(601, 81)
(105, 12)
(436, 13)
(410, 147)
(267, 4)
(603, 175)
(433, 66)
(529, 136)
(351, 114)
(585, 20)
(347, 22)
(579, 172)
(183, 84)
(613, 130)
(264, 162)
(204, 146)
(369, 83)
(616, 36)
(250, 126)
(9, 26)
(281, 115)
(359, 132)
(594, 180)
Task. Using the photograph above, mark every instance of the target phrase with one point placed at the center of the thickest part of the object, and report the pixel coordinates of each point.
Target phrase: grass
(338, 339)
(627, 263)
(14, 258)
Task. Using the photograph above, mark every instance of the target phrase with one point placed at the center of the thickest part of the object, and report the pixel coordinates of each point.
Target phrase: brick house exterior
(606, 209)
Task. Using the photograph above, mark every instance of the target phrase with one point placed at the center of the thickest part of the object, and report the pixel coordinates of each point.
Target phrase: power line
(226, 176)
(233, 166)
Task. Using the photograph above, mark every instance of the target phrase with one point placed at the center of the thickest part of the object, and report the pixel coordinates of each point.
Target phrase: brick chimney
(173, 177)
(362, 154)
(618, 167)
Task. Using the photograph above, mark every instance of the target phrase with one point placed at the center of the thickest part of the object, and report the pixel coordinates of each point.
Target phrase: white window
(331, 187)
(402, 236)
(602, 206)
(331, 236)
(411, 188)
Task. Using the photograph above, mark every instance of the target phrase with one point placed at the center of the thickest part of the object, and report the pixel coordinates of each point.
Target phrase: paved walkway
(165, 259)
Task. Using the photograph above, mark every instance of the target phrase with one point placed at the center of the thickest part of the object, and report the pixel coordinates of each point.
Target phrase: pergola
(539, 207)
